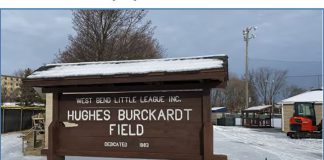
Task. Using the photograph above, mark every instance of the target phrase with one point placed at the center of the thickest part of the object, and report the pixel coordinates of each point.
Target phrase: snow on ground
(237, 142)
(11, 148)
(258, 144)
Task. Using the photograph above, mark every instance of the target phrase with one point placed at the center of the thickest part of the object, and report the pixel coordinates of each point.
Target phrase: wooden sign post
(157, 116)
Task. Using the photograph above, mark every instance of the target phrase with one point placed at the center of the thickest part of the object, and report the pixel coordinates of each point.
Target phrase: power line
(280, 60)
(313, 75)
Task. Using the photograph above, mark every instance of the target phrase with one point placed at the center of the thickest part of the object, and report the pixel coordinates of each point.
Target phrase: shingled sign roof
(129, 68)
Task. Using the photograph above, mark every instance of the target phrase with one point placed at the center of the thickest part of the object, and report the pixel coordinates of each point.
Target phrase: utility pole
(247, 35)
(265, 92)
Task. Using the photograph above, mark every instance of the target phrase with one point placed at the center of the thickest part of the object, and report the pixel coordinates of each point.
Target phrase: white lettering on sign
(101, 100)
(144, 145)
(84, 100)
(126, 129)
(128, 100)
(121, 125)
(88, 115)
(118, 100)
(115, 144)
(188, 113)
(153, 114)
(152, 99)
(174, 99)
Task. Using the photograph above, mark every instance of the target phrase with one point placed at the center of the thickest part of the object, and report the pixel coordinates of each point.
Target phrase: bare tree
(292, 90)
(19, 73)
(232, 97)
(218, 97)
(234, 94)
(4, 94)
(268, 83)
(103, 35)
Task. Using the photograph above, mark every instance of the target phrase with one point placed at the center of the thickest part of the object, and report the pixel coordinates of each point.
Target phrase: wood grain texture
(168, 139)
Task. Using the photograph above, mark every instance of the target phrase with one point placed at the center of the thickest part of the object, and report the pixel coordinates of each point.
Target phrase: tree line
(266, 87)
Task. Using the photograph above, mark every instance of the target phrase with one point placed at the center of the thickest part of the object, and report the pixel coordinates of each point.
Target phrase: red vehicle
(303, 123)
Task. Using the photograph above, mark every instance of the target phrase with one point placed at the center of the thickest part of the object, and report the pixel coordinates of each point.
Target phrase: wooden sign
(160, 110)
(164, 122)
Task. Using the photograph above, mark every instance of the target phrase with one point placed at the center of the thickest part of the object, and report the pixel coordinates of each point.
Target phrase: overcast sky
(32, 38)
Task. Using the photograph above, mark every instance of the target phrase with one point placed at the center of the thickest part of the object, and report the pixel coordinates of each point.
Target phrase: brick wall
(288, 111)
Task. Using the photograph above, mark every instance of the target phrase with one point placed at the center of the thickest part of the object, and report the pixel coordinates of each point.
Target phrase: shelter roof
(257, 108)
(315, 96)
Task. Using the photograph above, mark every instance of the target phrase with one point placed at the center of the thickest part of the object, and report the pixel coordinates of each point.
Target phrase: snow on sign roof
(315, 96)
(257, 108)
(108, 68)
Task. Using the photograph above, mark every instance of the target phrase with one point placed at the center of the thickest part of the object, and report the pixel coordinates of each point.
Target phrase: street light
(247, 35)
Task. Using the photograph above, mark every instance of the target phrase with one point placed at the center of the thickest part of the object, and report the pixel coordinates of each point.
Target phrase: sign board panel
(168, 122)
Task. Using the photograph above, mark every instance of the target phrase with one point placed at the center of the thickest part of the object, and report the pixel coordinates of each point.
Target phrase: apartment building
(9, 85)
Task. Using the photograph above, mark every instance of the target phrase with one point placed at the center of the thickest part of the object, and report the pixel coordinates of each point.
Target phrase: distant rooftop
(9, 76)
(315, 96)
(219, 109)
(110, 68)
(257, 108)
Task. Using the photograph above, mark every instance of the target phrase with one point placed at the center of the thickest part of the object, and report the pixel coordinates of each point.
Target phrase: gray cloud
(292, 35)
(31, 38)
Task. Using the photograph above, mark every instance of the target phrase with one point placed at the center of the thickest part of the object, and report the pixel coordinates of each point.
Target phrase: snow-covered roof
(315, 96)
(11, 104)
(257, 108)
(219, 109)
(109, 68)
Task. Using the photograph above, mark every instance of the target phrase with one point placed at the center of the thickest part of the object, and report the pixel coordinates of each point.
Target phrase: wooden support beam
(208, 139)
(52, 131)
(207, 125)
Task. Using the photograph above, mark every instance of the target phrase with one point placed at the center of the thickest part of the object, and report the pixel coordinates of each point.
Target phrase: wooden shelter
(257, 116)
(157, 109)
